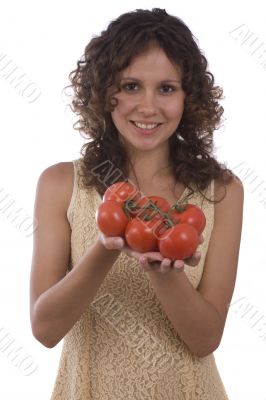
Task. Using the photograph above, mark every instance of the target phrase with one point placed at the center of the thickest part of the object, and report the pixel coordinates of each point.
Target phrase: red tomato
(160, 202)
(179, 242)
(146, 207)
(136, 208)
(189, 214)
(140, 236)
(121, 192)
(111, 219)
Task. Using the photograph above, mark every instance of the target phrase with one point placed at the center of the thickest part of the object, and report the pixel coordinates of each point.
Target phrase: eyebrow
(138, 80)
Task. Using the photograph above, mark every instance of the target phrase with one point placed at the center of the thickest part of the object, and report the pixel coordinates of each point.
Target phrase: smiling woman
(137, 325)
(162, 69)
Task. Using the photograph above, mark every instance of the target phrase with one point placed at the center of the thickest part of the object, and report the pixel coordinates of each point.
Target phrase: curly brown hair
(97, 79)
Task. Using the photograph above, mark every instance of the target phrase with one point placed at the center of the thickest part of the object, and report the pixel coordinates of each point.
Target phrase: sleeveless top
(124, 347)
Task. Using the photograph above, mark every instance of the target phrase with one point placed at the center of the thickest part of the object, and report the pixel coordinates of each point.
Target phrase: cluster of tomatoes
(149, 223)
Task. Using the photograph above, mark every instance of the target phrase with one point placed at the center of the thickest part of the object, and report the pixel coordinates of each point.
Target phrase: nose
(147, 104)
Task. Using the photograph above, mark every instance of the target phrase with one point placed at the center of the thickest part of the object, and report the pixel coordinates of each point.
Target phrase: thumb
(112, 242)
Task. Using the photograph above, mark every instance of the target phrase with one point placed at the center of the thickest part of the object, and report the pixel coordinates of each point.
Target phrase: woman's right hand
(111, 243)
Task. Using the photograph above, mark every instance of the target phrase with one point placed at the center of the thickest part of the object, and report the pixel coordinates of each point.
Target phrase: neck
(150, 172)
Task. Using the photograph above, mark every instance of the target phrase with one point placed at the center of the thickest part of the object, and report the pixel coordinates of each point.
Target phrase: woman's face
(151, 94)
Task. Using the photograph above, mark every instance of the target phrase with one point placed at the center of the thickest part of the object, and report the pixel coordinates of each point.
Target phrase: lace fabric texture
(124, 346)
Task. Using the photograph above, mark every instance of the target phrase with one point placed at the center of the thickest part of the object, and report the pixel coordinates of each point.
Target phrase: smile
(146, 129)
(146, 126)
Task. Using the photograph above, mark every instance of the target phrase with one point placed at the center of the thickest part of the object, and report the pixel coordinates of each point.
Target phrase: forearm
(57, 309)
(194, 319)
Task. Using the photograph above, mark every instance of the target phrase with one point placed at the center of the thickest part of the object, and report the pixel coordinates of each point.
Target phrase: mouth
(146, 129)
(146, 126)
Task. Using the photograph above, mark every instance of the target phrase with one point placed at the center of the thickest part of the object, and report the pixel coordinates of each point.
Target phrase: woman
(148, 104)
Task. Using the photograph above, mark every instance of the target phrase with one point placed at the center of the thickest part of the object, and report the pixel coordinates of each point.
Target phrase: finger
(153, 256)
(112, 243)
(144, 264)
(165, 265)
(178, 265)
(194, 259)
(149, 265)
(149, 262)
(201, 238)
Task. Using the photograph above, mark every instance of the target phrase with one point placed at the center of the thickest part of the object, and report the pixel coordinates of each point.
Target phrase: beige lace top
(124, 347)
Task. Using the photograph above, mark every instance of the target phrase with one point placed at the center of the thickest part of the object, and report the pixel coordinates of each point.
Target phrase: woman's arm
(57, 300)
(199, 316)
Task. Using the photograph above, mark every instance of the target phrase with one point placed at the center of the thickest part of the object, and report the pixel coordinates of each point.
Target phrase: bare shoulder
(58, 180)
(230, 192)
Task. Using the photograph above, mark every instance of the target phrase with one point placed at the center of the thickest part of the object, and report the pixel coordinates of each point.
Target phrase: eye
(172, 88)
(129, 86)
(133, 87)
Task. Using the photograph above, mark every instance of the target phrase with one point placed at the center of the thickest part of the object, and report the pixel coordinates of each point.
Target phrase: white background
(44, 40)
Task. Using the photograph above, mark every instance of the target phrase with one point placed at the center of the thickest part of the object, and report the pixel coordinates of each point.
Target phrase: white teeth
(144, 126)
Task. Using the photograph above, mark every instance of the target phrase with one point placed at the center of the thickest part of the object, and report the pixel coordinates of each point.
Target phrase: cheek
(174, 107)
(125, 104)
(175, 111)
(120, 114)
